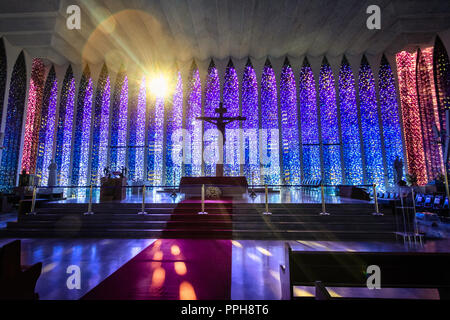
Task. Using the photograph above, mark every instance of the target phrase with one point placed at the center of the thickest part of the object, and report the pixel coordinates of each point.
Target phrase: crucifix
(220, 122)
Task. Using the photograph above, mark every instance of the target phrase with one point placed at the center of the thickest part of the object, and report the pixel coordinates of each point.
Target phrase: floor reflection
(254, 265)
(97, 259)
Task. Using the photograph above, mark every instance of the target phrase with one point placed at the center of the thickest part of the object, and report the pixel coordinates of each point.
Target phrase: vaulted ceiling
(144, 32)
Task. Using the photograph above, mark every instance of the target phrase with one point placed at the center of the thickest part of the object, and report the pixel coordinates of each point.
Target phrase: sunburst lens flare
(159, 85)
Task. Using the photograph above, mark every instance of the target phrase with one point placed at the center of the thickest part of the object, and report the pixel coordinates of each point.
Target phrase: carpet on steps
(172, 269)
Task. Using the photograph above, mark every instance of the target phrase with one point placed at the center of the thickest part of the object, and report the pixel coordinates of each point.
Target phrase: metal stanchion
(89, 212)
(143, 201)
(203, 201)
(375, 199)
(253, 193)
(266, 190)
(324, 209)
(416, 227)
(33, 202)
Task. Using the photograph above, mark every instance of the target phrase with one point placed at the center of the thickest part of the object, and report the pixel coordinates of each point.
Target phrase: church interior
(224, 150)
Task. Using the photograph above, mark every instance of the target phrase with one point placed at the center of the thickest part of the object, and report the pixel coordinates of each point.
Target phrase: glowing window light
(212, 99)
(329, 122)
(309, 123)
(174, 122)
(194, 127)
(441, 65)
(119, 122)
(100, 127)
(132, 109)
(47, 128)
(3, 67)
(33, 116)
(137, 132)
(269, 114)
(159, 85)
(231, 103)
(370, 125)
(406, 69)
(429, 112)
(140, 130)
(64, 128)
(250, 126)
(351, 143)
(82, 132)
(289, 125)
(155, 143)
(13, 128)
(390, 118)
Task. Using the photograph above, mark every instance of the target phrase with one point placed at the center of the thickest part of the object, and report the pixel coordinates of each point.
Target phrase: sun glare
(159, 85)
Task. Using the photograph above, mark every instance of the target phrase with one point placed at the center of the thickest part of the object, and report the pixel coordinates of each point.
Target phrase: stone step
(362, 217)
(201, 224)
(198, 233)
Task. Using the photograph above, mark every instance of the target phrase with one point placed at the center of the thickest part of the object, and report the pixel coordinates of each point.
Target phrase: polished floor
(255, 264)
(280, 195)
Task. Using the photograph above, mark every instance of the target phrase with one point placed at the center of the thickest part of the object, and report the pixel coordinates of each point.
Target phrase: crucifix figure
(220, 122)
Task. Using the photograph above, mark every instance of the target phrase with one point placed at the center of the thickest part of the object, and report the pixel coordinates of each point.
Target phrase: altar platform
(276, 195)
(295, 215)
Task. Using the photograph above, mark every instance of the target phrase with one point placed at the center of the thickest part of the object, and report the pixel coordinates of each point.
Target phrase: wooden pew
(17, 281)
(348, 269)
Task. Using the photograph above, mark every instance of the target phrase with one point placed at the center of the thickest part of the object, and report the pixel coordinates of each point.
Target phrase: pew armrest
(321, 292)
(285, 276)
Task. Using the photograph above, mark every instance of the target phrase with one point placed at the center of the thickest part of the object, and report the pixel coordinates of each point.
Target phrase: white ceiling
(144, 32)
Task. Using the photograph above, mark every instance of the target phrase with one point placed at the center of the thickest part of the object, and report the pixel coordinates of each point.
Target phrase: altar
(230, 187)
(113, 188)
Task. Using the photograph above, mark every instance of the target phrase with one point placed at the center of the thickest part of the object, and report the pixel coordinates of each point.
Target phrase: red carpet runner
(171, 270)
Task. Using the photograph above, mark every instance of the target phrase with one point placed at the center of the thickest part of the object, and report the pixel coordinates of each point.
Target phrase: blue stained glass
(289, 123)
(250, 126)
(390, 118)
(64, 128)
(13, 128)
(193, 160)
(231, 103)
(270, 138)
(174, 123)
(137, 133)
(370, 126)
(82, 131)
(47, 128)
(100, 127)
(119, 122)
(330, 129)
(351, 143)
(155, 143)
(212, 99)
(309, 123)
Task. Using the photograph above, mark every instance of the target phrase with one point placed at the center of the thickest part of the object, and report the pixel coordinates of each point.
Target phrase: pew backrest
(349, 269)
